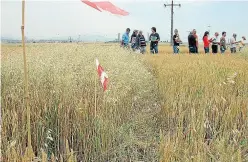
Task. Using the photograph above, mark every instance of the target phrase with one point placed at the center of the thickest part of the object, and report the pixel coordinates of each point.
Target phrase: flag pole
(26, 98)
(97, 63)
(95, 95)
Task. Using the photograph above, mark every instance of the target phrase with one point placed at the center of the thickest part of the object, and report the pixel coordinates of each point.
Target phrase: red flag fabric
(103, 76)
(91, 4)
(107, 6)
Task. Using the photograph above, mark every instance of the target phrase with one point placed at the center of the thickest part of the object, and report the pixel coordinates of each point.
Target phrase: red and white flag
(107, 6)
(103, 76)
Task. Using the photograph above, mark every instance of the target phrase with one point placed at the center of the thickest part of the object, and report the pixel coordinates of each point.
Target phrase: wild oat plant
(165, 107)
(204, 107)
(65, 92)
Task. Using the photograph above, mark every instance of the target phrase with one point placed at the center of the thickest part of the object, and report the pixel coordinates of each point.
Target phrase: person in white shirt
(233, 43)
(215, 43)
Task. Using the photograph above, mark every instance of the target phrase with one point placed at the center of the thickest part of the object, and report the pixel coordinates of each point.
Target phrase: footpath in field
(137, 86)
(132, 98)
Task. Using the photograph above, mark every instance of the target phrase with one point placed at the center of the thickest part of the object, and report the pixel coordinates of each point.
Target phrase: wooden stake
(26, 99)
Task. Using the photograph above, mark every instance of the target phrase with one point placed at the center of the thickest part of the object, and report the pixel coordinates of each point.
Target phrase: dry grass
(204, 101)
(62, 89)
(157, 108)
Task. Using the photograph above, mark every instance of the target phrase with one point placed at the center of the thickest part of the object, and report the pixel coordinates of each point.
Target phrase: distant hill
(82, 38)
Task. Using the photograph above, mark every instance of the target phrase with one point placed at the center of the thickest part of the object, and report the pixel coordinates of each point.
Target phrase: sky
(63, 18)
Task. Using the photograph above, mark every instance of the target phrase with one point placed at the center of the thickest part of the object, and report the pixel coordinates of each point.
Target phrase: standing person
(233, 43)
(154, 38)
(196, 38)
(215, 43)
(141, 42)
(206, 42)
(192, 43)
(242, 43)
(133, 39)
(176, 42)
(125, 38)
(223, 43)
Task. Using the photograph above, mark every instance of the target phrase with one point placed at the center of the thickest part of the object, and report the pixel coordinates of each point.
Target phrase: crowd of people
(216, 43)
(138, 42)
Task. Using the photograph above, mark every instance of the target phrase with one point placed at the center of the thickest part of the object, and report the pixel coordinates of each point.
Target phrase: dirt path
(142, 143)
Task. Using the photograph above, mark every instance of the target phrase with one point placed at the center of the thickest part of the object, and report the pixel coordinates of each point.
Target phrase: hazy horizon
(56, 19)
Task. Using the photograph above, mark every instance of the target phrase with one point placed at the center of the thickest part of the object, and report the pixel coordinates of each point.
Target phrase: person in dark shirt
(192, 43)
(176, 42)
(154, 38)
(133, 39)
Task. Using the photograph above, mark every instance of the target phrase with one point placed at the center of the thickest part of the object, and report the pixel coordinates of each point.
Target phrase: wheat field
(164, 107)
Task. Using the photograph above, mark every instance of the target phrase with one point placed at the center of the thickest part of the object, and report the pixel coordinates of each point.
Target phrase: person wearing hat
(176, 42)
(233, 43)
(215, 43)
(242, 43)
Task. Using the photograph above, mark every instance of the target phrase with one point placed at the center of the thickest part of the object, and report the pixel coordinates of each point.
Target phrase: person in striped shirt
(141, 42)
